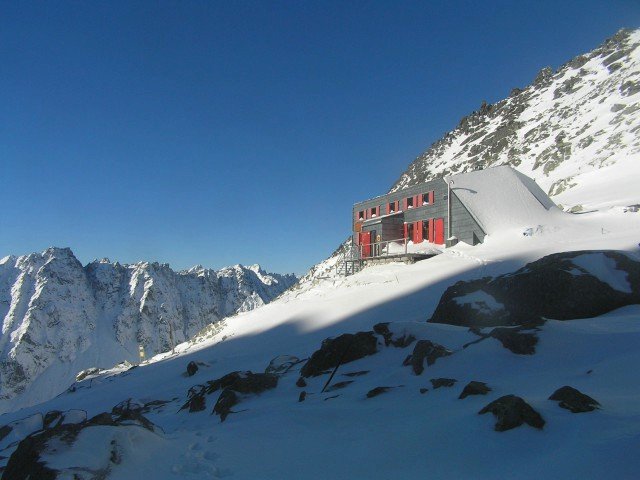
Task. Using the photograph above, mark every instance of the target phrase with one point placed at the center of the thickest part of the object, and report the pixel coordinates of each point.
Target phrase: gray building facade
(418, 214)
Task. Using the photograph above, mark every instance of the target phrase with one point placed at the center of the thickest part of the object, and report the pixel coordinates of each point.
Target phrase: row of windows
(396, 206)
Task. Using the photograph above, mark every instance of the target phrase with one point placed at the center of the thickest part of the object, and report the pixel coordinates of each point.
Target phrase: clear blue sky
(230, 132)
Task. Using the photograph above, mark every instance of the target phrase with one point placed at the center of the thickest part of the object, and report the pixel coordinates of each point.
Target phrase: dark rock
(238, 382)
(282, 364)
(338, 386)
(377, 391)
(356, 374)
(192, 368)
(442, 382)
(401, 341)
(227, 399)
(425, 349)
(559, 286)
(4, 431)
(424, 390)
(196, 399)
(574, 400)
(331, 397)
(343, 349)
(302, 396)
(244, 382)
(518, 342)
(511, 412)
(474, 388)
(629, 87)
(52, 419)
(301, 382)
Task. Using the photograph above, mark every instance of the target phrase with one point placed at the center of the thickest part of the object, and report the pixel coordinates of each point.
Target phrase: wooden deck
(407, 258)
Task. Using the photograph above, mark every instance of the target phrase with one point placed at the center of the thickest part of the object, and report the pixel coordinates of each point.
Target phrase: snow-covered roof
(501, 197)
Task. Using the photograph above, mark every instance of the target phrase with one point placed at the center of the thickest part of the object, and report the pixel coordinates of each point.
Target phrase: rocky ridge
(565, 130)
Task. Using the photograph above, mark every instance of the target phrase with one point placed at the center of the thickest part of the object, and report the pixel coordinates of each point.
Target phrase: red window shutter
(431, 197)
(406, 228)
(417, 229)
(431, 230)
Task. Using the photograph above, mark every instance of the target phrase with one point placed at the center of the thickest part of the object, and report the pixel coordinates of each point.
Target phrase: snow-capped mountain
(576, 131)
(59, 317)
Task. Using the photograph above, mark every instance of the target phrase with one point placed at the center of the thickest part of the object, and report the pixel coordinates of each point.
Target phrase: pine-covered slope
(576, 131)
(59, 317)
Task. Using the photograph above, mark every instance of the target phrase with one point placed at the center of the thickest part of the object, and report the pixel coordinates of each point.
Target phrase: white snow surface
(401, 433)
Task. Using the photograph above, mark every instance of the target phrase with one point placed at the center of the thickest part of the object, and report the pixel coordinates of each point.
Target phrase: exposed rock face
(556, 121)
(235, 383)
(574, 400)
(511, 412)
(474, 388)
(425, 349)
(561, 286)
(520, 343)
(54, 312)
(343, 349)
(442, 382)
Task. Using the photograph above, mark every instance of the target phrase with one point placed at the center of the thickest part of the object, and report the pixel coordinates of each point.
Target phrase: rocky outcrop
(556, 120)
(425, 350)
(561, 286)
(574, 400)
(474, 388)
(343, 349)
(511, 412)
(54, 311)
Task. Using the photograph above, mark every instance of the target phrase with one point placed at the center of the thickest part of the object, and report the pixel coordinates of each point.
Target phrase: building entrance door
(365, 244)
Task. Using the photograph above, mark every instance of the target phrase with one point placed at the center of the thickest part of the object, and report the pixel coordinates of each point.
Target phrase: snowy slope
(401, 433)
(576, 131)
(59, 317)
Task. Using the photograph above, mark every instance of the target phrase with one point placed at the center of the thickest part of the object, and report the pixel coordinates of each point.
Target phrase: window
(425, 198)
(361, 215)
(410, 202)
(391, 207)
(375, 211)
(409, 231)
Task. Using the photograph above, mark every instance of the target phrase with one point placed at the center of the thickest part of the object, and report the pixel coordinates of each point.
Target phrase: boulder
(511, 412)
(235, 383)
(574, 400)
(338, 386)
(377, 391)
(192, 368)
(196, 400)
(442, 382)
(425, 349)
(474, 388)
(561, 286)
(301, 382)
(343, 349)
(227, 399)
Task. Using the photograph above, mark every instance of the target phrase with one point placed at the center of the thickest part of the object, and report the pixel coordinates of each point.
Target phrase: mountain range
(60, 317)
